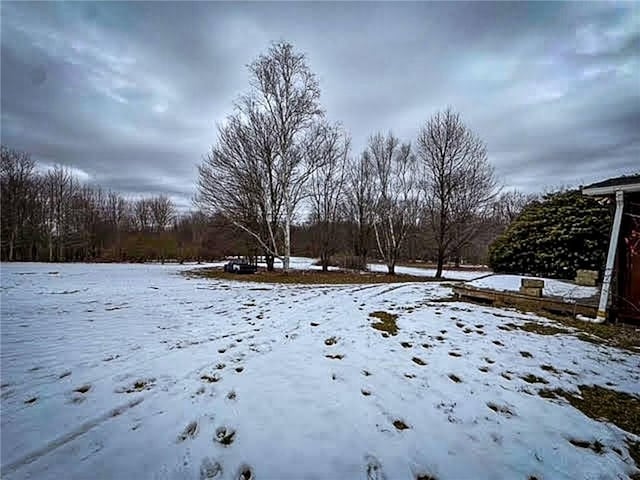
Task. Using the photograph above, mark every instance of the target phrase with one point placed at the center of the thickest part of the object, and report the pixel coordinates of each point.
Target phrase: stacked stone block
(531, 286)
(587, 277)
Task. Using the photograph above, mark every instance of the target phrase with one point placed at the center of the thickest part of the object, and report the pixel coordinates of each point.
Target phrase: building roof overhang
(629, 183)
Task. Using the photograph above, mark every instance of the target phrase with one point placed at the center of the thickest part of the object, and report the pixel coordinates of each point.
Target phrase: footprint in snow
(190, 431)
(78, 395)
(374, 468)
(83, 389)
(199, 391)
(211, 378)
(245, 473)
(210, 469)
(225, 436)
(138, 386)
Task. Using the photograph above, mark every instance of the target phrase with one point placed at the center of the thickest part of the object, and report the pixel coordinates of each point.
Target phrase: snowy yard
(136, 371)
(303, 263)
(552, 287)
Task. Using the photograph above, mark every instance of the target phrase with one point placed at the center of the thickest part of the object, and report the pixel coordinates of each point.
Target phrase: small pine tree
(554, 237)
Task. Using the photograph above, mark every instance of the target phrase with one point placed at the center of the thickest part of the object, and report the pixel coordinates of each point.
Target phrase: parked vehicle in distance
(240, 267)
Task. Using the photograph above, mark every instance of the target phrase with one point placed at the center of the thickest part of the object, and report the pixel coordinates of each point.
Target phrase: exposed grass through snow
(387, 322)
(599, 403)
(308, 277)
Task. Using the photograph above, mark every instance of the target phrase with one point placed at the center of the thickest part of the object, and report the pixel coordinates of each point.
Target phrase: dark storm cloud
(129, 92)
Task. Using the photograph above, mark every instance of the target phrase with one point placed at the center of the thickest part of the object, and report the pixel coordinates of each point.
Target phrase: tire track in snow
(366, 287)
(391, 289)
(305, 297)
(273, 325)
(52, 379)
(69, 436)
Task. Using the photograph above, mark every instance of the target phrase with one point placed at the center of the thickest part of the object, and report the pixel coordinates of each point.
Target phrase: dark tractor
(240, 267)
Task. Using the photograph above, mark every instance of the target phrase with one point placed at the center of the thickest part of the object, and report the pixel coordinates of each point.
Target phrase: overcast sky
(128, 94)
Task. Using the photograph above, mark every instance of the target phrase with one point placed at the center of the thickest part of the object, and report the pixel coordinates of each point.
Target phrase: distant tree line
(49, 215)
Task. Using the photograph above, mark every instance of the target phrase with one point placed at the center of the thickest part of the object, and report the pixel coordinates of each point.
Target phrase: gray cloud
(130, 92)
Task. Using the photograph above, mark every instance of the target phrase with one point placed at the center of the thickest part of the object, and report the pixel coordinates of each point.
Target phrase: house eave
(611, 190)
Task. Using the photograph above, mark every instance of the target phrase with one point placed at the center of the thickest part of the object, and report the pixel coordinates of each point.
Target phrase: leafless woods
(277, 157)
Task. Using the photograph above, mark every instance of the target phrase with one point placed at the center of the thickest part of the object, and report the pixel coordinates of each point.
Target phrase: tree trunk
(287, 242)
(363, 261)
(392, 268)
(11, 241)
(440, 264)
(324, 261)
(269, 260)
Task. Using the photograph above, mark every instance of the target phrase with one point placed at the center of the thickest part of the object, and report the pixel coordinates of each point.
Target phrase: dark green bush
(554, 237)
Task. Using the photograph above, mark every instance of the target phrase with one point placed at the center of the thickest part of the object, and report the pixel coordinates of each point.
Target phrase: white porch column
(611, 256)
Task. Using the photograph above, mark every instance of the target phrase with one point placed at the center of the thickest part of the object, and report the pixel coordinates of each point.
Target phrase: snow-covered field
(304, 263)
(430, 272)
(135, 371)
(552, 287)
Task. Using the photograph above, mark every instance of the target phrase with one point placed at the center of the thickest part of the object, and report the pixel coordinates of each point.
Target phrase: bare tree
(359, 205)
(162, 212)
(116, 210)
(59, 184)
(83, 219)
(32, 233)
(326, 185)
(397, 196)
(142, 214)
(288, 92)
(17, 175)
(459, 182)
(116, 215)
(257, 172)
(509, 204)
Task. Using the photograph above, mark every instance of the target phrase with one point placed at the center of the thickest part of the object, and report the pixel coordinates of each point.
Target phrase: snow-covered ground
(303, 263)
(430, 272)
(300, 263)
(552, 287)
(135, 371)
